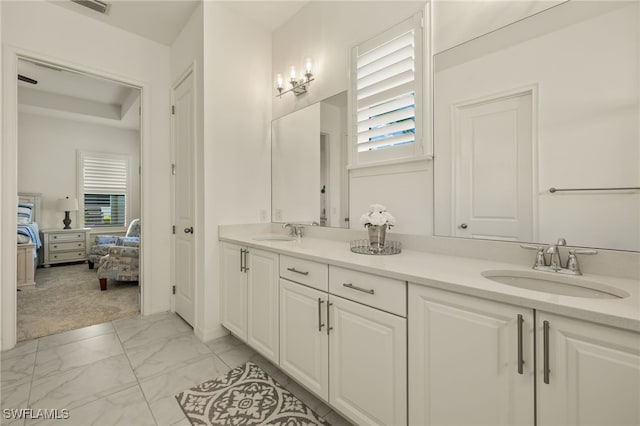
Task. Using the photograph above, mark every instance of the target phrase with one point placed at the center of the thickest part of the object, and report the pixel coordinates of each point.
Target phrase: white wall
(236, 152)
(44, 30)
(47, 153)
(586, 82)
(326, 31)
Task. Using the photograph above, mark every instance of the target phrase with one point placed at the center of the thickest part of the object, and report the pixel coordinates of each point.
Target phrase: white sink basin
(273, 237)
(549, 282)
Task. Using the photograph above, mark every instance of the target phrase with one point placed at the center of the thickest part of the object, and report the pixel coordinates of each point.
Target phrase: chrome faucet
(295, 230)
(555, 262)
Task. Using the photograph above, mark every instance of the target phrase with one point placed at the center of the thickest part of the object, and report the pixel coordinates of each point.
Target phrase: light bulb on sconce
(298, 85)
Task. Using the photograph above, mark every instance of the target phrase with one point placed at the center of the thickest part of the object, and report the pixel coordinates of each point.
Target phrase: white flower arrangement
(377, 215)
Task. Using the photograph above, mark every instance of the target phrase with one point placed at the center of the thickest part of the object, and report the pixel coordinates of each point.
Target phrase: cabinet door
(463, 360)
(262, 303)
(368, 363)
(304, 344)
(233, 291)
(594, 373)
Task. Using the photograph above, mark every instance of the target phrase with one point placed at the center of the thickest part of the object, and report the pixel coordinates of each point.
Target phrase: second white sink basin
(554, 283)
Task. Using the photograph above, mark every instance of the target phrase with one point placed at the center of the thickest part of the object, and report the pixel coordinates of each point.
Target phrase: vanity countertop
(462, 275)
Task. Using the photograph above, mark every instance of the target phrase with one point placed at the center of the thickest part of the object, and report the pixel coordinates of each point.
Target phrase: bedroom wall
(47, 148)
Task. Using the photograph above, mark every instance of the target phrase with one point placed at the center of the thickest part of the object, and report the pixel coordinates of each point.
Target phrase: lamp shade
(67, 204)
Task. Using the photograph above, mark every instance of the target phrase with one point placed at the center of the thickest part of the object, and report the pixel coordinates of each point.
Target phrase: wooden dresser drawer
(306, 272)
(68, 256)
(66, 246)
(66, 237)
(379, 292)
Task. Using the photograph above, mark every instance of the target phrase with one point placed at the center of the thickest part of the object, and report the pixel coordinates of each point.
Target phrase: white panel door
(368, 363)
(594, 373)
(184, 198)
(494, 169)
(262, 303)
(304, 343)
(463, 361)
(233, 290)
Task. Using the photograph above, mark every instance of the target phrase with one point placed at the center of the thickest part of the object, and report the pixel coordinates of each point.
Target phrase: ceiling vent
(97, 5)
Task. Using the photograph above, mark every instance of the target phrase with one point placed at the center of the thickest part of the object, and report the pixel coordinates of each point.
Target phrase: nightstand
(64, 245)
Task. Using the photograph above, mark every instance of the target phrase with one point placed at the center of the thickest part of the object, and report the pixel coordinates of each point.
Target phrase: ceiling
(158, 20)
(77, 96)
(162, 20)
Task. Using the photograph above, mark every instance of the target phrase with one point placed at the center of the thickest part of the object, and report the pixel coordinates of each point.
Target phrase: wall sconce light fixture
(298, 85)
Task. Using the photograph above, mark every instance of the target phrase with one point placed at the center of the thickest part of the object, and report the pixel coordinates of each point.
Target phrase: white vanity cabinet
(463, 365)
(463, 360)
(249, 297)
(350, 353)
(592, 373)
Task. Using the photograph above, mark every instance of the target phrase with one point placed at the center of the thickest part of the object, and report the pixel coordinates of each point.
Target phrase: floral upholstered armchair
(104, 242)
(122, 263)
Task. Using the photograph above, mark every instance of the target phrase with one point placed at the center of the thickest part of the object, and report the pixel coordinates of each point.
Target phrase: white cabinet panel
(262, 303)
(463, 360)
(233, 290)
(594, 373)
(368, 359)
(304, 343)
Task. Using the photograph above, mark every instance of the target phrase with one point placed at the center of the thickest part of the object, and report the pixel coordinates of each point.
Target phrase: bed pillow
(23, 239)
(25, 213)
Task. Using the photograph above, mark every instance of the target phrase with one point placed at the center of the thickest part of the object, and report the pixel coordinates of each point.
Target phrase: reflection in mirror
(309, 182)
(548, 102)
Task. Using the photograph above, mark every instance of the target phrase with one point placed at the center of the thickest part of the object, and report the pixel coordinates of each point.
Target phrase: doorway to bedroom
(79, 147)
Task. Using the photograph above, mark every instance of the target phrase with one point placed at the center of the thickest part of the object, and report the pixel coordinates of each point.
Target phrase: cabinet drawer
(67, 237)
(373, 290)
(67, 256)
(66, 246)
(305, 272)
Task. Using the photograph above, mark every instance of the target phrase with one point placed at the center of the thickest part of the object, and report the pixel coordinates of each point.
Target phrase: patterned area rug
(245, 396)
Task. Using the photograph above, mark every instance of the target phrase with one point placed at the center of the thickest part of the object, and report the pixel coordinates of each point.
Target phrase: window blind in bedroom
(105, 185)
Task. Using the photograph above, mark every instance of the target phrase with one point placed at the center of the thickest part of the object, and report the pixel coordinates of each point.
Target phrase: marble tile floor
(125, 372)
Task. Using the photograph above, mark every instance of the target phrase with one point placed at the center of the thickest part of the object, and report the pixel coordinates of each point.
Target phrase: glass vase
(377, 235)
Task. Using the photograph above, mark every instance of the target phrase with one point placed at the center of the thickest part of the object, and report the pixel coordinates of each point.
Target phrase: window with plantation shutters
(387, 79)
(104, 180)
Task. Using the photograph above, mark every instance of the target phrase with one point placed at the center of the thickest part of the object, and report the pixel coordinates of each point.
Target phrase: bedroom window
(387, 86)
(104, 188)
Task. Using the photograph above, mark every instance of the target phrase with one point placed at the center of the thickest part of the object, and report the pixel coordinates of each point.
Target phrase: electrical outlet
(263, 215)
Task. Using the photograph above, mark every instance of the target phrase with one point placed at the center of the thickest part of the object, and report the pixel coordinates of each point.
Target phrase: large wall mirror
(536, 129)
(309, 181)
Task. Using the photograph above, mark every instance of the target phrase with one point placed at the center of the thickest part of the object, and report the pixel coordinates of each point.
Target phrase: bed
(29, 211)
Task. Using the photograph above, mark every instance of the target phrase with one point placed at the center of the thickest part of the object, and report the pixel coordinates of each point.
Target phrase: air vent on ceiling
(27, 79)
(97, 5)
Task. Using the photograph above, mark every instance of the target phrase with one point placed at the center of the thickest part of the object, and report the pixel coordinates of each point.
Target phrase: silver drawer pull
(297, 272)
(355, 287)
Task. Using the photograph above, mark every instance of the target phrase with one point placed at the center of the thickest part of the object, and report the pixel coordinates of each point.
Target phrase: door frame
(189, 70)
(454, 109)
(9, 178)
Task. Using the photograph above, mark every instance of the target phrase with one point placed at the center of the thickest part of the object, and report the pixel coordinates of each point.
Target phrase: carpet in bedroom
(68, 297)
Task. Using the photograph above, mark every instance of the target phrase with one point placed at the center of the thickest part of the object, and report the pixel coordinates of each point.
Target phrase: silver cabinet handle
(320, 324)
(355, 287)
(246, 268)
(329, 328)
(241, 260)
(298, 272)
(520, 345)
(545, 336)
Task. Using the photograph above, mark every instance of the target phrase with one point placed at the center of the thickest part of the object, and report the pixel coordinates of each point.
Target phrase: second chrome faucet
(554, 263)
